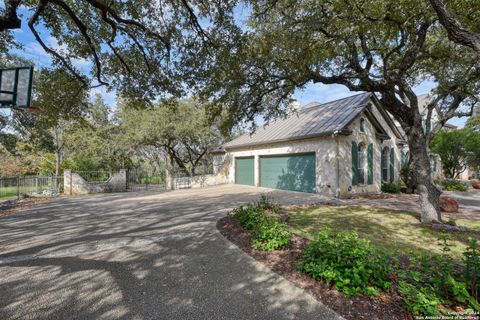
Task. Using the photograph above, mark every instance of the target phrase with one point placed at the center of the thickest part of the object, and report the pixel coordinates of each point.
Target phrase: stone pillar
(169, 180)
(67, 181)
(122, 180)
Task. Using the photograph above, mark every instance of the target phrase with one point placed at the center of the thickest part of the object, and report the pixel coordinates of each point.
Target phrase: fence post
(18, 187)
(67, 181)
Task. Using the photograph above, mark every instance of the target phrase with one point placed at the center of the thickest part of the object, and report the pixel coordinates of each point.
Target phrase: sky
(312, 92)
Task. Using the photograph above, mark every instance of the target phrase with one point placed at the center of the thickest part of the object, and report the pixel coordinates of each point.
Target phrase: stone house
(338, 148)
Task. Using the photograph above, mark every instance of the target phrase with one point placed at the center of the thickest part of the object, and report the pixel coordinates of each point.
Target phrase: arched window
(361, 163)
(370, 164)
(405, 157)
(392, 165)
(362, 125)
(384, 164)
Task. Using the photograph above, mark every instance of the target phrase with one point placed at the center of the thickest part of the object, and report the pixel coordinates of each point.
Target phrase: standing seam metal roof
(312, 120)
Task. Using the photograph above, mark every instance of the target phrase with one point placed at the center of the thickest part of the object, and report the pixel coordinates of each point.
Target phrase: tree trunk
(58, 161)
(421, 173)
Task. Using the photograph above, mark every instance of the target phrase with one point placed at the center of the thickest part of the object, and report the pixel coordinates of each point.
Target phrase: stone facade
(333, 155)
(197, 181)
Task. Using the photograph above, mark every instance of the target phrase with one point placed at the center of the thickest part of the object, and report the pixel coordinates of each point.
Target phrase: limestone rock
(448, 204)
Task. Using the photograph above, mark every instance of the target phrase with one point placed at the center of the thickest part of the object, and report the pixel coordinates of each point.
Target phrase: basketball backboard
(16, 87)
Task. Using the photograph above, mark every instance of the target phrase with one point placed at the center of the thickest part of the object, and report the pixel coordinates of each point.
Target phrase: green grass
(396, 231)
(8, 192)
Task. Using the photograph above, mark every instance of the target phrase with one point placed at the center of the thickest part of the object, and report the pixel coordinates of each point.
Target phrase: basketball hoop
(16, 87)
(29, 109)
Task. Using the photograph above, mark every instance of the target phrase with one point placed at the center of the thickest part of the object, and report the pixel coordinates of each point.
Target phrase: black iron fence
(140, 179)
(34, 185)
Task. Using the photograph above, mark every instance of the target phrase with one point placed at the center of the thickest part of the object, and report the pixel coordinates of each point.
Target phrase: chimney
(293, 104)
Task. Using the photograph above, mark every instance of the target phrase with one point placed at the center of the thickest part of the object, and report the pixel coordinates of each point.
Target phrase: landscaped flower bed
(357, 279)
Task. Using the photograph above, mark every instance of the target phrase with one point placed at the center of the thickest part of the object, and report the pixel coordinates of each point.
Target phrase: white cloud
(322, 93)
(109, 97)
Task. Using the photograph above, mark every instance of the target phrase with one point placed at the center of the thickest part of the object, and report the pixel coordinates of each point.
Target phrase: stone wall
(75, 184)
(198, 181)
(325, 159)
(333, 156)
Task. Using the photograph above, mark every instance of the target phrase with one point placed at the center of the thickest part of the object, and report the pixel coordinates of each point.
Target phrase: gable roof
(313, 120)
(423, 101)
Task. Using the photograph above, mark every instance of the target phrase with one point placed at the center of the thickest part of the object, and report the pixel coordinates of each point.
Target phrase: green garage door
(288, 172)
(244, 171)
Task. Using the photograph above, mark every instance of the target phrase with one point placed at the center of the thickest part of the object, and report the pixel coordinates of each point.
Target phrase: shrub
(419, 300)
(267, 204)
(472, 268)
(390, 187)
(271, 235)
(267, 233)
(434, 280)
(452, 185)
(348, 262)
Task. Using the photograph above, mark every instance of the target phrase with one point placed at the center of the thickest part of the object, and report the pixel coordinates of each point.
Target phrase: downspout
(337, 160)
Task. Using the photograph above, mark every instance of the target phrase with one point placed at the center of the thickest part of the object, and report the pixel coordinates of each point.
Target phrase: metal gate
(140, 179)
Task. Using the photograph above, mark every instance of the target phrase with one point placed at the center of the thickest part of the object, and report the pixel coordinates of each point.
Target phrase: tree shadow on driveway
(139, 257)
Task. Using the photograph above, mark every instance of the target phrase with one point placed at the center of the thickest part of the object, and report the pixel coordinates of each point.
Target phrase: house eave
(344, 132)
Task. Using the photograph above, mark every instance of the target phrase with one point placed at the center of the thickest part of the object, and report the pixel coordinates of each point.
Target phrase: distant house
(337, 148)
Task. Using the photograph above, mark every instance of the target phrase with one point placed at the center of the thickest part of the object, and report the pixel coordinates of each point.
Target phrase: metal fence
(138, 179)
(20, 186)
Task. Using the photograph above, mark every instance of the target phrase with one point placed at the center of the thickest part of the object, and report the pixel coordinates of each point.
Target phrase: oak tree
(382, 46)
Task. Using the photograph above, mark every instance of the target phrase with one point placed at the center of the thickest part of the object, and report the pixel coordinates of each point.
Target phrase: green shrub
(267, 233)
(433, 280)
(267, 204)
(271, 235)
(348, 262)
(419, 300)
(390, 187)
(472, 268)
(452, 185)
(249, 217)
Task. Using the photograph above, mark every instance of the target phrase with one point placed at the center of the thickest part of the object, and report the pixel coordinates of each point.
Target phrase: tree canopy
(458, 150)
(382, 46)
(134, 46)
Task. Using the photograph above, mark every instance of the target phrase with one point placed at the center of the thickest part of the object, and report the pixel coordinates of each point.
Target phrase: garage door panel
(244, 171)
(288, 172)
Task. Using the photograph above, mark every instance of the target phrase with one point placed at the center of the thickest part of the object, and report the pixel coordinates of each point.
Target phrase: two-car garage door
(288, 172)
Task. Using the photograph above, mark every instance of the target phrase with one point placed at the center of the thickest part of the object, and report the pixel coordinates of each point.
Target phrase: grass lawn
(8, 192)
(397, 231)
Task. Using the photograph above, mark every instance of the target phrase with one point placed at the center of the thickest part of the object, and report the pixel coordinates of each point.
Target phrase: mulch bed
(10, 207)
(385, 306)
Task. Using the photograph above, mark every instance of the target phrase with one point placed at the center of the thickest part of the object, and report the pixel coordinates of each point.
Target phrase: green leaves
(347, 261)
(267, 233)
(457, 149)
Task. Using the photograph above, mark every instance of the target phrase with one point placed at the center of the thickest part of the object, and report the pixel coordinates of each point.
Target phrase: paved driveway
(141, 256)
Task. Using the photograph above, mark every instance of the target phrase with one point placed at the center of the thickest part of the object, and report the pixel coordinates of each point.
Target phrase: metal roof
(312, 120)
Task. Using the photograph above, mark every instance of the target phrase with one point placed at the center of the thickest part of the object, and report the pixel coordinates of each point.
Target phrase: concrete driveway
(141, 256)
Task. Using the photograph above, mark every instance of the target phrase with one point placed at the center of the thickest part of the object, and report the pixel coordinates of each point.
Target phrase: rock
(476, 185)
(451, 223)
(448, 204)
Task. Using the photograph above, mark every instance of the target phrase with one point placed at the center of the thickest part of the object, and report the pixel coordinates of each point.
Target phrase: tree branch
(83, 30)
(456, 32)
(42, 4)
(9, 20)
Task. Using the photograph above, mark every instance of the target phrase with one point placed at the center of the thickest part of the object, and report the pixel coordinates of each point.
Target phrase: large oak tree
(133, 45)
(382, 46)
